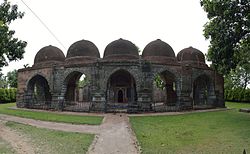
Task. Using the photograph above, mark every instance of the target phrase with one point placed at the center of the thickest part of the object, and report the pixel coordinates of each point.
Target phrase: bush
(7, 95)
(237, 95)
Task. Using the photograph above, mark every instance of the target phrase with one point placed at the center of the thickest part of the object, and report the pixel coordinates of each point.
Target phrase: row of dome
(155, 51)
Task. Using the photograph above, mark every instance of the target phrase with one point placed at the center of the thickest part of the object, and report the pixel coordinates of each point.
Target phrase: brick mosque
(123, 80)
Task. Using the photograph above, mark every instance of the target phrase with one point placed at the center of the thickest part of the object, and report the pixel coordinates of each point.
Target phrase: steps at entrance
(122, 108)
(117, 107)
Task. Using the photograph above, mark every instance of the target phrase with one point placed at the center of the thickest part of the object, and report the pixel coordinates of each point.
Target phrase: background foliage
(228, 31)
(11, 48)
(7, 95)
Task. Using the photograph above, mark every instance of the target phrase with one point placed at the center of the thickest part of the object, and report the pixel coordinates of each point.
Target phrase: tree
(159, 82)
(3, 81)
(11, 49)
(228, 30)
(12, 79)
(240, 76)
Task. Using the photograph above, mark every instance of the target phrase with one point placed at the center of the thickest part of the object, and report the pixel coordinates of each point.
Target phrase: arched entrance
(121, 90)
(202, 92)
(77, 94)
(164, 91)
(38, 93)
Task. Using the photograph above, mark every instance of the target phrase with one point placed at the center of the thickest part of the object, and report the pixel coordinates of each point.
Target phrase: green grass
(237, 105)
(210, 132)
(5, 148)
(51, 141)
(50, 116)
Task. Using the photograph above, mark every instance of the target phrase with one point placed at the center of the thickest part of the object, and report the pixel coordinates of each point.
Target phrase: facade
(123, 80)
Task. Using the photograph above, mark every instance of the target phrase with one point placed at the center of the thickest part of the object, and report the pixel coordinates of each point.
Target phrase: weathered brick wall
(142, 71)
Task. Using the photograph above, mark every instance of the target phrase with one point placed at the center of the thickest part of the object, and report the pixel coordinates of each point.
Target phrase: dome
(49, 54)
(121, 49)
(83, 48)
(82, 51)
(159, 51)
(191, 55)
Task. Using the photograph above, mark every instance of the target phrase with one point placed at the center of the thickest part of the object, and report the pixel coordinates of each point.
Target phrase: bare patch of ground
(115, 137)
(18, 142)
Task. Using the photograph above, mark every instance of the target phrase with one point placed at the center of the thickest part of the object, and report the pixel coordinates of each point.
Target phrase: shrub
(7, 95)
(237, 95)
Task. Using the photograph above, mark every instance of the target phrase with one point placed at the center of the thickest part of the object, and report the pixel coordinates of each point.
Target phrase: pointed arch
(203, 91)
(38, 92)
(164, 88)
(121, 89)
(76, 91)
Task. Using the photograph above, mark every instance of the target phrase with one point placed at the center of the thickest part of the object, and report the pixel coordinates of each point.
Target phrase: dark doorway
(121, 91)
(120, 96)
(77, 94)
(164, 89)
(202, 89)
(39, 92)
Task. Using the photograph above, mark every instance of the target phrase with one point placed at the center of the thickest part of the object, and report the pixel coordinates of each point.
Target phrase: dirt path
(115, 137)
(18, 142)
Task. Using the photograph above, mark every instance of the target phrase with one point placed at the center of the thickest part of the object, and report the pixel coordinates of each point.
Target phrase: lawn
(209, 132)
(235, 105)
(50, 116)
(5, 148)
(51, 141)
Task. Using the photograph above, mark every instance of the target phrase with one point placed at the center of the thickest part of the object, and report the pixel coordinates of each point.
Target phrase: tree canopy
(11, 48)
(228, 30)
(12, 79)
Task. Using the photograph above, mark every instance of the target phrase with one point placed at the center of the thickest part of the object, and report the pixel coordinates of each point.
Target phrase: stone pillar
(211, 98)
(98, 102)
(184, 92)
(28, 100)
(20, 97)
(57, 102)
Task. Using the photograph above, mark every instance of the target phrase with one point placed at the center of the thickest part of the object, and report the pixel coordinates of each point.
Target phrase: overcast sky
(177, 22)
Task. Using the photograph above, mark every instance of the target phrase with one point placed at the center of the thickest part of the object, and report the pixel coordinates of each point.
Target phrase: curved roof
(158, 48)
(191, 55)
(83, 48)
(49, 53)
(160, 52)
(121, 49)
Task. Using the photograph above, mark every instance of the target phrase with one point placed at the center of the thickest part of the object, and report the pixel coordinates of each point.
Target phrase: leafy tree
(10, 47)
(240, 76)
(12, 78)
(3, 81)
(83, 81)
(13, 94)
(159, 82)
(228, 30)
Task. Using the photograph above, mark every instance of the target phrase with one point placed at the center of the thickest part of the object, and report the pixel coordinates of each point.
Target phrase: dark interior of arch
(39, 90)
(201, 90)
(75, 90)
(121, 88)
(164, 89)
